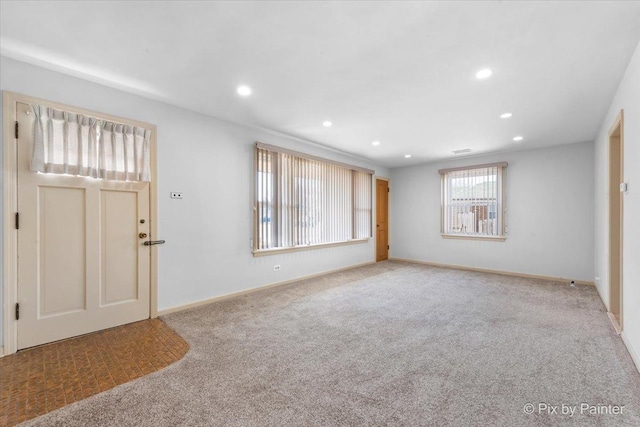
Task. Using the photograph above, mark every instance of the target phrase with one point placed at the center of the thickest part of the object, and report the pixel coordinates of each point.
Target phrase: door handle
(154, 242)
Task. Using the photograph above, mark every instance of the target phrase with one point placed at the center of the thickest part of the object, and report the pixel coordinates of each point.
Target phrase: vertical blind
(303, 201)
(472, 200)
(75, 144)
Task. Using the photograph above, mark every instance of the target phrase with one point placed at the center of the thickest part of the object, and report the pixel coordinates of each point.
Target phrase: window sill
(472, 237)
(264, 252)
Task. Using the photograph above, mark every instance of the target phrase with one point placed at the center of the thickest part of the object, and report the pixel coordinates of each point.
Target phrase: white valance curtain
(123, 152)
(75, 144)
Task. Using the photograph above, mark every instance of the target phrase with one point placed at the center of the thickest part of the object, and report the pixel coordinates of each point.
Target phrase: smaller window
(472, 201)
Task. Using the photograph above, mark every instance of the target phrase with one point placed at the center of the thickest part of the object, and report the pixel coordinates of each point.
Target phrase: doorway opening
(616, 178)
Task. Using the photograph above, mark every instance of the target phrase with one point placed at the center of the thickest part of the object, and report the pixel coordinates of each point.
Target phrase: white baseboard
(633, 354)
(486, 270)
(1, 351)
(251, 290)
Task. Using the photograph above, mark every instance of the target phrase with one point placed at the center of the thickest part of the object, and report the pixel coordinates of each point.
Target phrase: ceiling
(402, 73)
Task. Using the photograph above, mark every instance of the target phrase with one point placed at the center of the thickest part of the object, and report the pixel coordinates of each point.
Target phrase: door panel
(81, 265)
(61, 225)
(382, 222)
(118, 234)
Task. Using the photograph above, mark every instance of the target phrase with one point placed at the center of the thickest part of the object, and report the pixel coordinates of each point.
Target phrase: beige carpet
(387, 344)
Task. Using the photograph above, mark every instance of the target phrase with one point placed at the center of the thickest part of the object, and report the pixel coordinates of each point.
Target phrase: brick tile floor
(38, 380)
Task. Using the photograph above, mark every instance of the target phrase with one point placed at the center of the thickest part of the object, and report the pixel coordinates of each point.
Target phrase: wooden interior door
(382, 219)
(82, 264)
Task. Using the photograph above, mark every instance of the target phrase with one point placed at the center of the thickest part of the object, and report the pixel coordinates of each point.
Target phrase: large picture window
(472, 201)
(302, 201)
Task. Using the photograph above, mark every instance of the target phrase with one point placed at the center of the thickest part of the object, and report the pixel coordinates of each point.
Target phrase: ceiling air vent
(464, 150)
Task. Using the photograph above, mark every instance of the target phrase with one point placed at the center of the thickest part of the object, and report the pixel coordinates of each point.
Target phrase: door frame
(375, 215)
(10, 206)
(616, 127)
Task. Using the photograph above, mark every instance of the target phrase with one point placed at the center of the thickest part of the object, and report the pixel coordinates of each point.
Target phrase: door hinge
(17, 220)
(388, 247)
(17, 311)
(17, 126)
(388, 189)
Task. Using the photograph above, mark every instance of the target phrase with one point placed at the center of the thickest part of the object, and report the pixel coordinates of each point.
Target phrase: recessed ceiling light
(244, 90)
(406, 156)
(375, 143)
(505, 115)
(327, 124)
(484, 73)
(517, 138)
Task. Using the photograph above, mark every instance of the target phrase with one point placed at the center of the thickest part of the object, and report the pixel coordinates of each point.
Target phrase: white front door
(82, 265)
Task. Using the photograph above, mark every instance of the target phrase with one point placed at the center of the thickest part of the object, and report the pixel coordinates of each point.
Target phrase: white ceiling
(401, 73)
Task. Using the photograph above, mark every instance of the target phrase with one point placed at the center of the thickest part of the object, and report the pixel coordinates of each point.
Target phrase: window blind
(472, 200)
(304, 200)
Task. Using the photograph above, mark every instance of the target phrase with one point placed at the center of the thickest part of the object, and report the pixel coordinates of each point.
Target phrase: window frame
(256, 214)
(501, 211)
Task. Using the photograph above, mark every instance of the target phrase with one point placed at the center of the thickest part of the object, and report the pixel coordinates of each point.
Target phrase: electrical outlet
(176, 195)
(276, 267)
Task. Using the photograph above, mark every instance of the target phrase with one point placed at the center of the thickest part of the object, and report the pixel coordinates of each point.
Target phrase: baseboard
(501, 272)
(1, 351)
(251, 290)
(633, 354)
